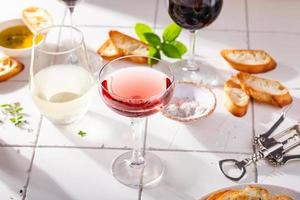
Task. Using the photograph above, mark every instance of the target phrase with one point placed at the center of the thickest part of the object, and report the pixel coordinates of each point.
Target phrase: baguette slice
(36, 18)
(264, 90)
(9, 67)
(236, 99)
(129, 46)
(108, 51)
(249, 61)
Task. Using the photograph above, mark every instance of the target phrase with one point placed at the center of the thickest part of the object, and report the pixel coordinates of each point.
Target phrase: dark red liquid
(194, 14)
(136, 91)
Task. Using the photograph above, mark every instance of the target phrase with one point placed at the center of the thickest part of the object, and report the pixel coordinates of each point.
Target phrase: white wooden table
(55, 163)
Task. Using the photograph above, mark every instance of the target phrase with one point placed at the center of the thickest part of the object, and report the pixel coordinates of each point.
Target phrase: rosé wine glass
(136, 90)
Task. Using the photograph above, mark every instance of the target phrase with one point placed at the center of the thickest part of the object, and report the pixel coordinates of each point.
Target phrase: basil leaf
(171, 51)
(171, 32)
(152, 39)
(140, 29)
(153, 52)
(180, 47)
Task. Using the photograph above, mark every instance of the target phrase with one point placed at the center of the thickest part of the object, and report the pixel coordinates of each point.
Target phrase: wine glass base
(196, 71)
(147, 174)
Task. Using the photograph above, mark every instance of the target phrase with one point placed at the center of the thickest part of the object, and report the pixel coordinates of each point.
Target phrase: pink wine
(136, 91)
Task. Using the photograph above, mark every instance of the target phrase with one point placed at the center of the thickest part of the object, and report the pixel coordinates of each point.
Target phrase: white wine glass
(61, 79)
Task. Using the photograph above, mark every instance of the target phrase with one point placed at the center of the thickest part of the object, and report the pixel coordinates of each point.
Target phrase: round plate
(273, 189)
(190, 102)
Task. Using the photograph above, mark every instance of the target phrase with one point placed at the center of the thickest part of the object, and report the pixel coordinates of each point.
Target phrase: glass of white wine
(61, 80)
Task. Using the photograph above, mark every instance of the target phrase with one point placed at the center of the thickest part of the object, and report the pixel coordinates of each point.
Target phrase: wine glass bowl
(136, 90)
(194, 15)
(141, 90)
(61, 81)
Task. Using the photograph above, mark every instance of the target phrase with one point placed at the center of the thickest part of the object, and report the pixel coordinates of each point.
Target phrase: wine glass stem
(191, 59)
(138, 129)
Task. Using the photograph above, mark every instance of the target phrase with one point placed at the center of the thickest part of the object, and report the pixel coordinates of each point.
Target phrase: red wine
(194, 14)
(136, 91)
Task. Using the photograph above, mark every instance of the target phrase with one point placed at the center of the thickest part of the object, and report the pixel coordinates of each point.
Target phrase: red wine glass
(136, 90)
(194, 15)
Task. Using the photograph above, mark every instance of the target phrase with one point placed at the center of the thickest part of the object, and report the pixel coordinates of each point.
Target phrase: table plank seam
(252, 101)
(32, 158)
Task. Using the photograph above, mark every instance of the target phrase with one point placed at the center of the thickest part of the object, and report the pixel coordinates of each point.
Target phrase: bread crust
(232, 86)
(9, 67)
(249, 68)
(129, 46)
(248, 193)
(261, 95)
(280, 197)
(36, 18)
(108, 51)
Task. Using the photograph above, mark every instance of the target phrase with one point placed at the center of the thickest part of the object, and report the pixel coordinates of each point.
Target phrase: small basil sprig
(170, 47)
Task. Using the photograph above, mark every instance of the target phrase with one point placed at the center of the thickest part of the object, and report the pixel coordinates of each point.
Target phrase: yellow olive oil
(17, 37)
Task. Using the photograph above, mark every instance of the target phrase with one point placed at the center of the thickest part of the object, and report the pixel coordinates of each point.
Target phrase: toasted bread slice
(129, 46)
(236, 99)
(9, 67)
(280, 197)
(36, 18)
(108, 51)
(217, 195)
(264, 90)
(249, 61)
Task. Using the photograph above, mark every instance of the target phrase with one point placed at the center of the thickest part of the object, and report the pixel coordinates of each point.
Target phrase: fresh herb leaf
(180, 47)
(171, 51)
(153, 52)
(152, 39)
(82, 133)
(13, 120)
(171, 32)
(5, 105)
(168, 45)
(14, 112)
(140, 29)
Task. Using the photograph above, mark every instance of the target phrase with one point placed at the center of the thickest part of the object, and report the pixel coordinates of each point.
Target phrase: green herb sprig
(170, 47)
(82, 133)
(14, 113)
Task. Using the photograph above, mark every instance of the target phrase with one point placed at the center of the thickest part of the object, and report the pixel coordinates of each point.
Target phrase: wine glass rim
(43, 31)
(138, 56)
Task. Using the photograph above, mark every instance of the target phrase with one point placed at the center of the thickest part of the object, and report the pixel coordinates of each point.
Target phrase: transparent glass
(61, 80)
(194, 15)
(71, 4)
(136, 101)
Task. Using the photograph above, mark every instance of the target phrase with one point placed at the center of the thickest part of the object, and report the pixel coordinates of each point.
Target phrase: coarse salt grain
(185, 108)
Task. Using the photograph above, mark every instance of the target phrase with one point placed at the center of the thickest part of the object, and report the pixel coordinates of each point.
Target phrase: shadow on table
(266, 116)
(116, 7)
(282, 73)
(14, 171)
(11, 86)
(214, 131)
(93, 123)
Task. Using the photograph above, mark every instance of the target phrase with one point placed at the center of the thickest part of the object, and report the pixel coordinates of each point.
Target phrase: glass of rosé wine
(137, 90)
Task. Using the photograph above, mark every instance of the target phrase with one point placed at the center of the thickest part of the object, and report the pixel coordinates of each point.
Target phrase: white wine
(62, 92)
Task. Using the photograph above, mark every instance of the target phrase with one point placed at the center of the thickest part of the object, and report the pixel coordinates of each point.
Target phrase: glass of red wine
(136, 90)
(194, 15)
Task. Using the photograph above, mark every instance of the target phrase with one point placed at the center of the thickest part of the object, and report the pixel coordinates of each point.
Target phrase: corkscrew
(273, 149)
